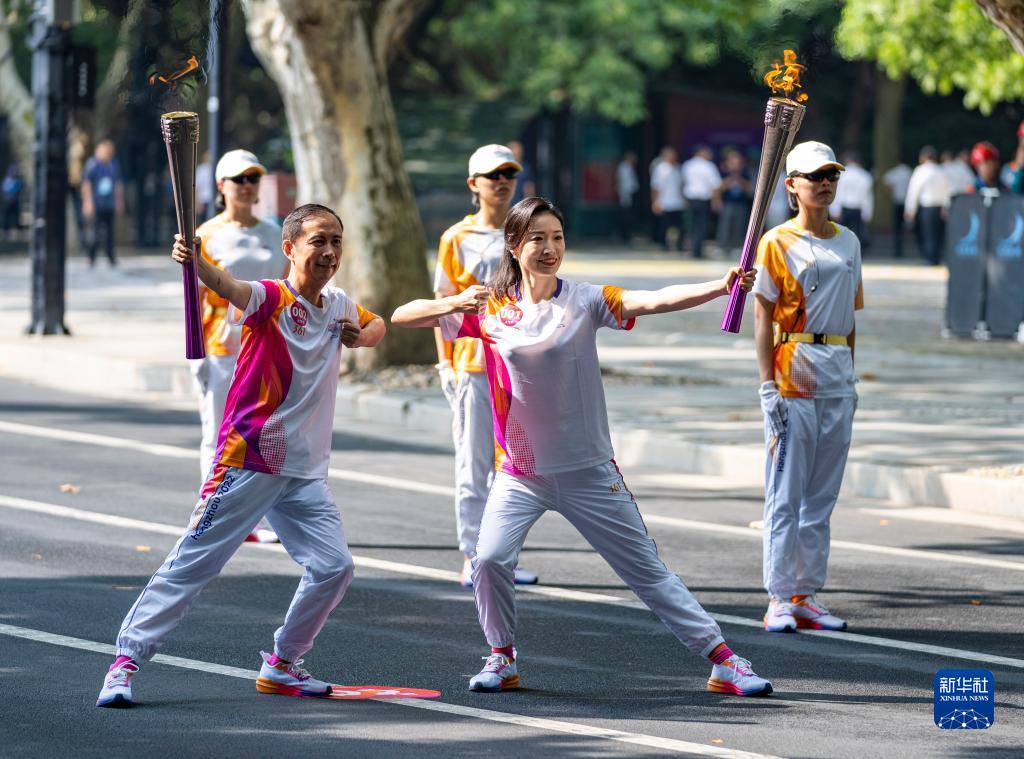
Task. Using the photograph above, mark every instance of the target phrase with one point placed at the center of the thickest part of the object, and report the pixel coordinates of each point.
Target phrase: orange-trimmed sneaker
(811, 615)
(117, 686)
(779, 617)
(289, 679)
(735, 676)
(499, 673)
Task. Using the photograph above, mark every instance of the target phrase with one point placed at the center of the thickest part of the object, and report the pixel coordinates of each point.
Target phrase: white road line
(550, 591)
(907, 553)
(399, 483)
(935, 515)
(539, 723)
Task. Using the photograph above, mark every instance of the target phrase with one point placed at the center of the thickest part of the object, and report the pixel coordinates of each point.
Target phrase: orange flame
(784, 78)
(190, 65)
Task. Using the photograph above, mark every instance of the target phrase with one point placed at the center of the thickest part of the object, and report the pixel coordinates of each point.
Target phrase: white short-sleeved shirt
(667, 180)
(246, 253)
(280, 408)
(700, 178)
(815, 284)
(544, 376)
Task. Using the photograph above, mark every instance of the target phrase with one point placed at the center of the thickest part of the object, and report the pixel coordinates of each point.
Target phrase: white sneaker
(499, 673)
(779, 617)
(735, 676)
(466, 575)
(289, 679)
(525, 577)
(117, 686)
(262, 535)
(811, 615)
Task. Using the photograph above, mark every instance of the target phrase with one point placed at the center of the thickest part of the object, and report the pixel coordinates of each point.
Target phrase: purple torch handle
(181, 135)
(782, 119)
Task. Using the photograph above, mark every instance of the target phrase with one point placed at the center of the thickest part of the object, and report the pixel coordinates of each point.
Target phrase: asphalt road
(601, 676)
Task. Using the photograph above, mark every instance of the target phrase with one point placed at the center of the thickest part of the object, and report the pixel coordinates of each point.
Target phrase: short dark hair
(517, 225)
(291, 229)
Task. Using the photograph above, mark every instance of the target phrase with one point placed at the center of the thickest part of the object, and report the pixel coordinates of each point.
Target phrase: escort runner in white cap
(551, 439)
(469, 254)
(808, 287)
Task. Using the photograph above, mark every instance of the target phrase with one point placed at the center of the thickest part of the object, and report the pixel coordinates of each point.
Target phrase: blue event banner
(965, 699)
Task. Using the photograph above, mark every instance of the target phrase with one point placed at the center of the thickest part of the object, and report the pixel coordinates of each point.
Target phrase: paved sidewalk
(941, 423)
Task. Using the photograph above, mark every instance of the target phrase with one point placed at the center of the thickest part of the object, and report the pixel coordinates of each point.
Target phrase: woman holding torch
(808, 287)
(247, 248)
(553, 449)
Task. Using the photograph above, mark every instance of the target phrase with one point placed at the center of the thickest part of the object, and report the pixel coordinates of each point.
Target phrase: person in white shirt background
(627, 187)
(855, 200)
(928, 196)
(667, 197)
(897, 179)
(957, 168)
(700, 180)
(554, 451)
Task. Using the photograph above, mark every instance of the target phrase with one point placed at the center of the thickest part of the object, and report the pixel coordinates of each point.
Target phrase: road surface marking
(574, 728)
(444, 575)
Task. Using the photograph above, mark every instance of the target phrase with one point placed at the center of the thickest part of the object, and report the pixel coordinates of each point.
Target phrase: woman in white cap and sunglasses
(248, 248)
(468, 255)
(807, 289)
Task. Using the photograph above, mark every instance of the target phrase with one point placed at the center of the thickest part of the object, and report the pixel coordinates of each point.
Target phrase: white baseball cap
(808, 157)
(491, 157)
(234, 163)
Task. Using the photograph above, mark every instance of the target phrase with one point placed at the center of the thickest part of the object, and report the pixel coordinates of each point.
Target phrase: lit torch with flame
(782, 120)
(180, 131)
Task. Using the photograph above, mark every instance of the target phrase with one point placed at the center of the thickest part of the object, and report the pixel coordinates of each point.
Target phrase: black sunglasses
(508, 172)
(832, 175)
(246, 179)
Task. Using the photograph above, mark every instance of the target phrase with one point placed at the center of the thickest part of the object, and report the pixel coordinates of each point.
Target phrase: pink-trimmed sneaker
(779, 616)
(117, 686)
(811, 615)
(289, 679)
(499, 673)
(735, 676)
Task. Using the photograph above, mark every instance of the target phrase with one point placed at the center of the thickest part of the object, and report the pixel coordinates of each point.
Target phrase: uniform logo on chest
(298, 313)
(510, 315)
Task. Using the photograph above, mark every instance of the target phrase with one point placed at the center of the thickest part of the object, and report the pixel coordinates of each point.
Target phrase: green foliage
(943, 44)
(595, 55)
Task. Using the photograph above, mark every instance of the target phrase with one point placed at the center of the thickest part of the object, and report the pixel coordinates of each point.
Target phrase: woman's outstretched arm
(426, 312)
(682, 297)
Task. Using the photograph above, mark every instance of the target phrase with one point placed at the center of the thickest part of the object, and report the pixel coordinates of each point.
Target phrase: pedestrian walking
(808, 286)
(10, 199)
(627, 187)
(248, 249)
(928, 196)
(667, 197)
(102, 198)
(553, 450)
(732, 201)
(272, 457)
(956, 167)
(468, 255)
(855, 197)
(897, 180)
(701, 179)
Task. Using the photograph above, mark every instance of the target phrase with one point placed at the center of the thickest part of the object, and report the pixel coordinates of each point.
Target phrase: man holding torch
(807, 288)
(272, 456)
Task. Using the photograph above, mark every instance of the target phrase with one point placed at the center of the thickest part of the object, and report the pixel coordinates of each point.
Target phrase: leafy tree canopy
(943, 44)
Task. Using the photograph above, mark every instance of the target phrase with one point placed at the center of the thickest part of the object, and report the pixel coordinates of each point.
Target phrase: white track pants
(304, 516)
(212, 378)
(473, 435)
(802, 479)
(597, 503)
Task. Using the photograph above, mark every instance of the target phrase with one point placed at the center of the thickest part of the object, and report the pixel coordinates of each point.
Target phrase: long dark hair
(517, 224)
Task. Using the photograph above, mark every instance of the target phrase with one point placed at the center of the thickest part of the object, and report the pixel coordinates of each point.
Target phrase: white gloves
(774, 408)
(447, 375)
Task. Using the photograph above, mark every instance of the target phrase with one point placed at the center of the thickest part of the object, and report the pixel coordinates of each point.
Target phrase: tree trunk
(859, 106)
(15, 103)
(1008, 15)
(329, 59)
(886, 141)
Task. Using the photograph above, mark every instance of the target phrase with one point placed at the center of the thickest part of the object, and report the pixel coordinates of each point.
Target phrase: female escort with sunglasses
(248, 248)
(551, 443)
(468, 255)
(808, 287)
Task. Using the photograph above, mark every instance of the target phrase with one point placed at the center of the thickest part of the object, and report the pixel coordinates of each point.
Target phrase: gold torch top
(786, 106)
(180, 127)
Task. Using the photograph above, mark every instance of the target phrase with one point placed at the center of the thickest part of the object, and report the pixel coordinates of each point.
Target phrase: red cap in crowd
(983, 151)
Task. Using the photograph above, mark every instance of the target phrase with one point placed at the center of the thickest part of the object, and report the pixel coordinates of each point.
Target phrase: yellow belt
(816, 338)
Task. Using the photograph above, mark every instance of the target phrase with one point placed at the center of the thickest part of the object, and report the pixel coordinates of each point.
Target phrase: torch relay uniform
(469, 255)
(554, 452)
(246, 253)
(271, 460)
(815, 286)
